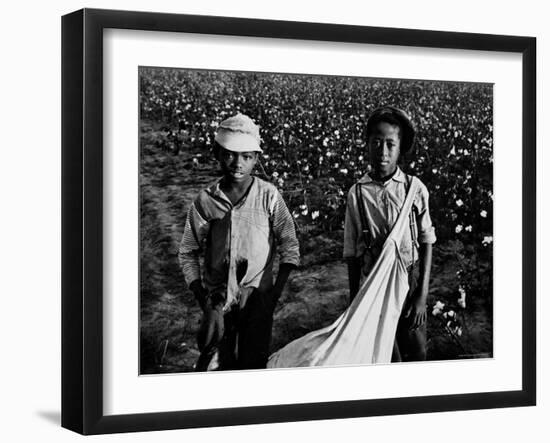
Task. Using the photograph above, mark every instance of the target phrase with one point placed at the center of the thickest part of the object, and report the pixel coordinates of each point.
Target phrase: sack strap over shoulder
(367, 236)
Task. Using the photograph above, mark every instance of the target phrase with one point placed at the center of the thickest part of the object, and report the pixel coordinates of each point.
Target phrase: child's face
(384, 148)
(237, 166)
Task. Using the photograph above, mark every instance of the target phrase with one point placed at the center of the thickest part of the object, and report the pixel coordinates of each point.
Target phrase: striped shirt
(239, 242)
(383, 203)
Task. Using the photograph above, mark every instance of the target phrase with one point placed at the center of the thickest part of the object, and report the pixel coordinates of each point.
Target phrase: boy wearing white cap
(239, 224)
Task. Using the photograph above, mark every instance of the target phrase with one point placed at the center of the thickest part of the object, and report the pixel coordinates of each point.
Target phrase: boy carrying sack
(374, 204)
(387, 230)
(239, 225)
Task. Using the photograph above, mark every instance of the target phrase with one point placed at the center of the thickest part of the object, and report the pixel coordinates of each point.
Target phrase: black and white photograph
(292, 220)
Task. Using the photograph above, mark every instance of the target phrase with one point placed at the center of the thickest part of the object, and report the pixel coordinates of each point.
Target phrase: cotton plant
(451, 315)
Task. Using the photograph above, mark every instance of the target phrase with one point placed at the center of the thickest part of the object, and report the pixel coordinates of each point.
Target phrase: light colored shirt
(383, 202)
(239, 241)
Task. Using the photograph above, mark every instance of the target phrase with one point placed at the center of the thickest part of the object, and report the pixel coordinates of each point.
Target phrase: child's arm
(199, 291)
(284, 272)
(417, 308)
(426, 238)
(212, 324)
(189, 251)
(354, 275)
(351, 238)
(289, 250)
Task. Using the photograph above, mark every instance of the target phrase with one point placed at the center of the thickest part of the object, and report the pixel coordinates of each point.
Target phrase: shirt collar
(214, 188)
(215, 191)
(398, 176)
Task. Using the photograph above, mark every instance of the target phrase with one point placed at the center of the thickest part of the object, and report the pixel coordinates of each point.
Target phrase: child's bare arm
(417, 308)
(352, 233)
(354, 275)
(200, 292)
(425, 269)
(282, 277)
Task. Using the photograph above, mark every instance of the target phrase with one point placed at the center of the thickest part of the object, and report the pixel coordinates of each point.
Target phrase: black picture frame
(82, 219)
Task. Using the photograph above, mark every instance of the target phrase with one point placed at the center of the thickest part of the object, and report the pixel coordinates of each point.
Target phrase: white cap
(239, 133)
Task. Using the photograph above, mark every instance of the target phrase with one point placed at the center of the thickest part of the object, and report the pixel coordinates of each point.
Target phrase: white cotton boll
(462, 298)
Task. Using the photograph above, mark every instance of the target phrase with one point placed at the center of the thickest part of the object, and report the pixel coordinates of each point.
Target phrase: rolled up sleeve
(426, 230)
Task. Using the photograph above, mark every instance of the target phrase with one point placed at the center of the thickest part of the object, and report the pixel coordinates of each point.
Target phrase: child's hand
(275, 295)
(417, 313)
(200, 293)
(212, 327)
